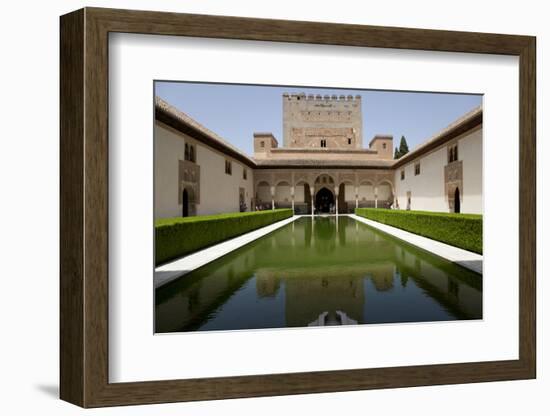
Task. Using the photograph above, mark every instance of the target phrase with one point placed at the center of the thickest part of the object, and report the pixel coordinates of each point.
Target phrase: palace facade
(322, 166)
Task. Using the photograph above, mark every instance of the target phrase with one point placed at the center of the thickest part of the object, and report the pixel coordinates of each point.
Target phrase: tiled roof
(457, 127)
(180, 116)
(313, 163)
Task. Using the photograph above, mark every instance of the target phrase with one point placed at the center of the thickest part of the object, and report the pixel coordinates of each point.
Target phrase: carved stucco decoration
(284, 176)
(262, 177)
(301, 177)
(347, 177)
(189, 175)
(453, 180)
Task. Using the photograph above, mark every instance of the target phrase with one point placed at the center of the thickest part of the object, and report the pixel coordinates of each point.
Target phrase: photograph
(282, 206)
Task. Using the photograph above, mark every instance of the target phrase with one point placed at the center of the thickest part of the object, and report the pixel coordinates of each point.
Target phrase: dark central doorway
(324, 200)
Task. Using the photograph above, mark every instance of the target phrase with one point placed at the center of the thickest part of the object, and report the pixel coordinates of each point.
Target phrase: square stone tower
(263, 143)
(383, 144)
(318, 121)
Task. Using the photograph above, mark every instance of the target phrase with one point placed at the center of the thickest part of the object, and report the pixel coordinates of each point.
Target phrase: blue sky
(236, 111)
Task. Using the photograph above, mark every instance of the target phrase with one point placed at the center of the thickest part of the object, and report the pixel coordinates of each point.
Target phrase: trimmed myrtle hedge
(176, 237)
(459, 230)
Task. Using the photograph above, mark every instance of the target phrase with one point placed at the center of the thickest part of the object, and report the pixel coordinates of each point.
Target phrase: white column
(292, 189)
(375, 197)
(312, 206)
(336, 193)
(272, 197)
(356, 197)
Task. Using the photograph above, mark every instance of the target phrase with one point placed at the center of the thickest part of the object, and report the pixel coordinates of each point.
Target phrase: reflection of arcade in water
(326, 271)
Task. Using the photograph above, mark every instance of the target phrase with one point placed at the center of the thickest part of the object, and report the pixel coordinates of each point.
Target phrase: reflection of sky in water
(251, 314)
(401, 304)
(319, 273)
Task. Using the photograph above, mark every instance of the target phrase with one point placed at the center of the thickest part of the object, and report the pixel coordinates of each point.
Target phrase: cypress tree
(403, 147)
(402, 150)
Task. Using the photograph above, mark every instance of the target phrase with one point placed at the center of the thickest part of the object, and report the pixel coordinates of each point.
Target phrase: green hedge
(459, 230)
(176, 237)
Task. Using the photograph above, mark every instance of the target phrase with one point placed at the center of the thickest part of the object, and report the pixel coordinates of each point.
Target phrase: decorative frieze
(189, 175)
(332, 177)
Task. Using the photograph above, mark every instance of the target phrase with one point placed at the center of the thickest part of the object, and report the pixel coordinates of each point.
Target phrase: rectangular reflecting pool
(317, 272)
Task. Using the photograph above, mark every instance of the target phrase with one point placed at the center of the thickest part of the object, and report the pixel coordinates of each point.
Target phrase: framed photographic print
(255, 207)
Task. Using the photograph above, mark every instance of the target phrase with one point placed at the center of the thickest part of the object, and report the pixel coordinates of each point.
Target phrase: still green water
(314, 272)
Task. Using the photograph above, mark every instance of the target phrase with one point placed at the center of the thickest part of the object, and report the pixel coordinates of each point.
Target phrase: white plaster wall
(219, 192)
(299, 193)
(470, 151)
(282, 193)
(428, 188)
(169, 149)
(384, 192)
(366, 192)
(264, 194)
(349, 192)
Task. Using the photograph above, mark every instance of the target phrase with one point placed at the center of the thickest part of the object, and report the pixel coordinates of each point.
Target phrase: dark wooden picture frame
(84, 207)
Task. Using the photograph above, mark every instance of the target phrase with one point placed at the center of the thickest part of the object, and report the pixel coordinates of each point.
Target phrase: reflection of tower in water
(307, 297)
(382, 277)
(330, 318)
(267, 284)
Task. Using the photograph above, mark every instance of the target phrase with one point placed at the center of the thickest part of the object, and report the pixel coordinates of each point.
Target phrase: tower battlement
(319, 97)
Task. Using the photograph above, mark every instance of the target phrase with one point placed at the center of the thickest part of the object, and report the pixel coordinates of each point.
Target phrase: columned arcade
(331, 191)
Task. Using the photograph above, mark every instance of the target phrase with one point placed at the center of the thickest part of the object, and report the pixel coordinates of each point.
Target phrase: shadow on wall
(51, 390)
